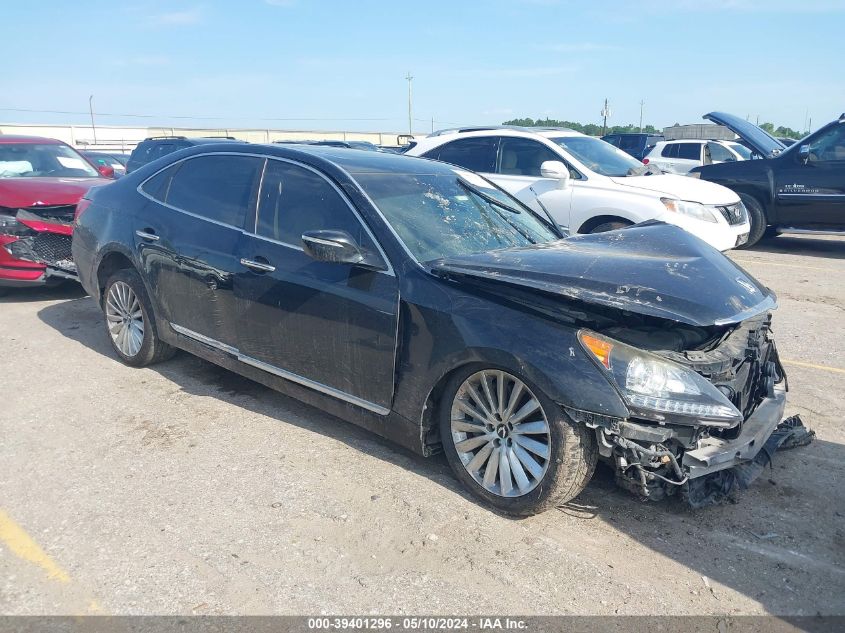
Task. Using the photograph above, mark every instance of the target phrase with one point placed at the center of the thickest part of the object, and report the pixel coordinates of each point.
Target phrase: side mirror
(338, 247)
(106, 171)
(804, 153)
(557, 170)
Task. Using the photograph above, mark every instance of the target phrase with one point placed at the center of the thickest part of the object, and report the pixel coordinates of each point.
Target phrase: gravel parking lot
(186, 489)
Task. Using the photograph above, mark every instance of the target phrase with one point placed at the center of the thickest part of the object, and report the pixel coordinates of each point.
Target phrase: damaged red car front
(41, 182)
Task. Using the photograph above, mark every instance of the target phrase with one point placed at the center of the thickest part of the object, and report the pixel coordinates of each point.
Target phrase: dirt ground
(185, 489)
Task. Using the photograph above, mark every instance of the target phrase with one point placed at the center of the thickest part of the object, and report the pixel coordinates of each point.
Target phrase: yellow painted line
(801, 266)
(22, 545)
(798, 363)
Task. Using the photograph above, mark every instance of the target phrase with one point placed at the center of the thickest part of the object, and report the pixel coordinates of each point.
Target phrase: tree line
(593, 129)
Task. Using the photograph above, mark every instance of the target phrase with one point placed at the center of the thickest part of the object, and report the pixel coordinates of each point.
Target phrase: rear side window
(218, 188)
(691, 151)
(475, 154)
(670, 151)
(294, 200)
(157, 186)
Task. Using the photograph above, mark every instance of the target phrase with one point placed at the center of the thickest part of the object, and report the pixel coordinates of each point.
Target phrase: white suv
(678, 157)
(587, 185)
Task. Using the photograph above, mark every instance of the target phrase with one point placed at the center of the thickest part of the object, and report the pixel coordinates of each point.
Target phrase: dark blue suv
(157, 146)
(637, 145)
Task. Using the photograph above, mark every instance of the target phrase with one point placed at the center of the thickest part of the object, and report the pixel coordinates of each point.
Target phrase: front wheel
(609, 226)
(510, 444)
(130, 322)
(757, 219)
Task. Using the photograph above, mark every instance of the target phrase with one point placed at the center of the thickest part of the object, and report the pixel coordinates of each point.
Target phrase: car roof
(41, 140)
(352, 161)
(504, 130)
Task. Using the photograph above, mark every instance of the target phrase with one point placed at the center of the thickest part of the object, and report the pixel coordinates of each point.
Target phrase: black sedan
(421, 302)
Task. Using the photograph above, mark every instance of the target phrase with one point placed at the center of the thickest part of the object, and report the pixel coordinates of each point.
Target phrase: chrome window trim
(390, 270)
(282, 373)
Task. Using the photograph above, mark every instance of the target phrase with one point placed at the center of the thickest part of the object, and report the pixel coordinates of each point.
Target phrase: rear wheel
(130, 321)
(609, 226)
(3, 291)
(757, 219)
(510, 444)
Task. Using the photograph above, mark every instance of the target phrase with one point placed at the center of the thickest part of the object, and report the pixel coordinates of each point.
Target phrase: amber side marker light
(600, 348)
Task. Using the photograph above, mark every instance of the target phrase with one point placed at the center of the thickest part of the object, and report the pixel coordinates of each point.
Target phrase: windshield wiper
(487, 197)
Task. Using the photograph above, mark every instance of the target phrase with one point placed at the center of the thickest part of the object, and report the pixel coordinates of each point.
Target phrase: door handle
(147, 234)
(259, 267)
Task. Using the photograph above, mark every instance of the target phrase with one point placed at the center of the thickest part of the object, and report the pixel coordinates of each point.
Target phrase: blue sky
(331, 64)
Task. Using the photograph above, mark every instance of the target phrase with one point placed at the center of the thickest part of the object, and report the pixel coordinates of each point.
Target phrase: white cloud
(142, 60)
(186, 17)
(579, 47)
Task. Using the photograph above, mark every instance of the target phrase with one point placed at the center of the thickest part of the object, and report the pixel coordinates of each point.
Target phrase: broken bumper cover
(718, 454)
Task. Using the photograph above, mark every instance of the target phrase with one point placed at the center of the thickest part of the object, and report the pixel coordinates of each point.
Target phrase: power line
(194, 117)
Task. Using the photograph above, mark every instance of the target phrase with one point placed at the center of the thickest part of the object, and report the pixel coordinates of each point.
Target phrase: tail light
(645, 161)
(80, 208)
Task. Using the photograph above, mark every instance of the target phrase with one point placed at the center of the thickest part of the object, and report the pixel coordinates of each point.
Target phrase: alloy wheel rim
(501, 433)
(125, 318)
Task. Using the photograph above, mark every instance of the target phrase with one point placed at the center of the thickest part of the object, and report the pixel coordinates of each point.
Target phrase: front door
(518, 173)
(812, 195)
(329, 326)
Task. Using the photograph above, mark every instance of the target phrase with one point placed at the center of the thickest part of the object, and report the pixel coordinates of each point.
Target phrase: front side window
(720, 153)
(829, 146)
(294, 200)
(43, 160)
(218, 188)
(476, 154)
(452, 213)
(600, 157)
(523, 156)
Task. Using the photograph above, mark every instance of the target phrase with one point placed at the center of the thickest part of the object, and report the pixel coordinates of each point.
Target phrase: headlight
(658, 389)
(692, 209)
(694, 174)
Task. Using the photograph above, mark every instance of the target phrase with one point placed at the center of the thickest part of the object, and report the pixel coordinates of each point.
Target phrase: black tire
(771, 233)
(757, 218)
(3, 291)
(152, 349)
(609, 226)
(573, 453)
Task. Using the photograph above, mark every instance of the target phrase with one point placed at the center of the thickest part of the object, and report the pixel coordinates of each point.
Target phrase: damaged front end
(39, 235)
(706, 408)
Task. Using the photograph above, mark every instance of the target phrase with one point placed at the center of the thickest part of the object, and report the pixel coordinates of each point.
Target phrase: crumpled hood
(681, 187)
(653, 268)
(17, 193)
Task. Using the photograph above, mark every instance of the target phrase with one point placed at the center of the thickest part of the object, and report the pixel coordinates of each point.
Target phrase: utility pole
(642, 103)
(91, 110)
(605, 113)
(410, 78)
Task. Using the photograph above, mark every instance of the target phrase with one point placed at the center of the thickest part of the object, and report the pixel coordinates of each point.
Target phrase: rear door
(329, 326)
(813, 194)
(187, 239)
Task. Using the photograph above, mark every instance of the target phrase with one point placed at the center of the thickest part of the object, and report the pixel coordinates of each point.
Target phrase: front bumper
(720, 235)
(716, 454)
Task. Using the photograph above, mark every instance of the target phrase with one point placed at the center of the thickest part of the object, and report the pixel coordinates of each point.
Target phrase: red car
(41, 182)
